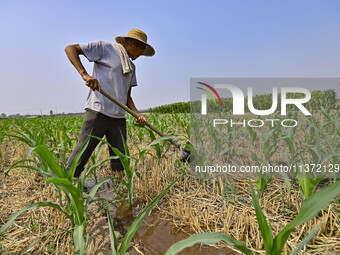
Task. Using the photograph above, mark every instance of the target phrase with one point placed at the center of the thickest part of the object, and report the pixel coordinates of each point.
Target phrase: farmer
(113, 72)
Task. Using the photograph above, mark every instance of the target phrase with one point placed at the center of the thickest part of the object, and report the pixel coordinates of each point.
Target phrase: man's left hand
(141, 120)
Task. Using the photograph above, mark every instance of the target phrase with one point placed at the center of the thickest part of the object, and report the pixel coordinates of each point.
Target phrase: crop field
(43, 210)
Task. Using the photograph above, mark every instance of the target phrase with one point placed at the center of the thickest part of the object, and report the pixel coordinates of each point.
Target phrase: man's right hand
(92, 82)
(73, 51)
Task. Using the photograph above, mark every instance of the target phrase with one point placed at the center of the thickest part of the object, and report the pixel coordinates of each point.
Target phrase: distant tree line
(326, 99)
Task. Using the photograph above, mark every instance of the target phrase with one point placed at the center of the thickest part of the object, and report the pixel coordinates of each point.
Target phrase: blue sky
(244, 38)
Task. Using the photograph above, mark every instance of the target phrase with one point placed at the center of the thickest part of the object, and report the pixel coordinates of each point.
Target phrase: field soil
(194, 205)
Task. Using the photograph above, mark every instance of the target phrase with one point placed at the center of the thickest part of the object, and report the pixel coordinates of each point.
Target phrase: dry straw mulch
(225, 205)
(193, 205)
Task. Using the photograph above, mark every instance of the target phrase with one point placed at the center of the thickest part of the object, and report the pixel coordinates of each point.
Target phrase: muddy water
(158, 235)
(155, 235)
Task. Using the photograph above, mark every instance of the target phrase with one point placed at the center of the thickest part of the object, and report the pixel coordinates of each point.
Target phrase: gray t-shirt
(107, 69)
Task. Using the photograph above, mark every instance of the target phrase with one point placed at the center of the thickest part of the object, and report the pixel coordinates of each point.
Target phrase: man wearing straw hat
(114, 72)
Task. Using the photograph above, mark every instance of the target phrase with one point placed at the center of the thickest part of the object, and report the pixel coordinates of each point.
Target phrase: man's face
(134, 48)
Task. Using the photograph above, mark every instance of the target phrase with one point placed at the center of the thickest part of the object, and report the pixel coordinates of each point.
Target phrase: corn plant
(32, 137)
(130, 166)
(75, 209)
(208, 238)
(269, 141)
(307, 175)
(310, 208)
(332, 137)
(273, 245)
(308, 183)
(135, 225)
(57, 134)
(94, 158)
(161, 122)
(289, 139)
(5, 125)
(196, 130)
(290, 158)
(181, 120)
(59, 139)
(161, 147)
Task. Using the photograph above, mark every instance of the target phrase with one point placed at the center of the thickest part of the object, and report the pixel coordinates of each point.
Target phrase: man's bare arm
(141, 119)
(73, 51)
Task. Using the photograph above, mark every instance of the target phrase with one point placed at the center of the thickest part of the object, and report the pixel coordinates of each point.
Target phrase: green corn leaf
(77, 197)
(266, 230)
(126, 148)
(29, 152)
(266, 141)
(307, 239)
(310, 208)
(308, 186)
(156, 146)
(22, 138)
(113, 238)
(315, 153)
(122, 181)
(139, 157)
(159, 139)
(77, 158)
(113, 201)
(30, 207)
(287, 182)
(138, 175)
(130, 188)
(79, 239)
(257, 160)
(90, 170)
(252, 133)
(124, 158)
(138, 221)
(208, 238)
(99, 151)
(290, 143)
(328, 157)
(46, 156)
(37, 169)
(95, 189)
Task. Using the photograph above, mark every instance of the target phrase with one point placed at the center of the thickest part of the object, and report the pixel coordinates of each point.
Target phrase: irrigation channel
(153, 237)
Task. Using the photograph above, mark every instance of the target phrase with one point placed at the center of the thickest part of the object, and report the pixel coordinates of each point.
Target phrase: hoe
(185, 151)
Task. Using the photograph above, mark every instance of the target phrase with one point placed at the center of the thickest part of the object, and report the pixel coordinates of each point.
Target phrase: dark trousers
(98, 124)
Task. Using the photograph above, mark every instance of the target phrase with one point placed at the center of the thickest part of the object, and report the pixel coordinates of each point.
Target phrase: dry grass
(23, 187)
(193, 205)
(222, 205)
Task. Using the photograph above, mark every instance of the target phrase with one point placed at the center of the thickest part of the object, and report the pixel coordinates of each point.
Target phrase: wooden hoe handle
(136, 116)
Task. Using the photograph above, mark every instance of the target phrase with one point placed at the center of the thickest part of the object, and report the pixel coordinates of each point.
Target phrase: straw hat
(140, 36)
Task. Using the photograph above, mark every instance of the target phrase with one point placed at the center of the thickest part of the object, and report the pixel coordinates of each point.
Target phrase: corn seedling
(268, 148)
(273, 246)
(76, 208)
(130, 166)
(161, 148)
(310, 208)
(94, 158)
(135, 225)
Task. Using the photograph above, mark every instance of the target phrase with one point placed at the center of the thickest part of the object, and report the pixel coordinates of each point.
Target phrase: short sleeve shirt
(107, 69)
